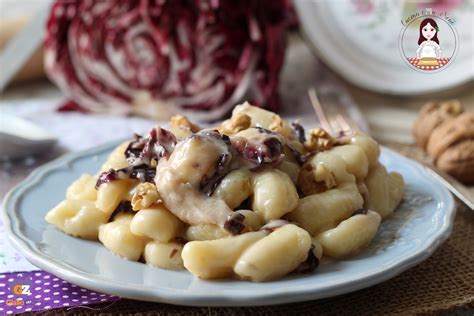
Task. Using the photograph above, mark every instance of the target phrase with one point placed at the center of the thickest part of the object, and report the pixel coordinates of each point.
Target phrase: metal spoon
(19, 137)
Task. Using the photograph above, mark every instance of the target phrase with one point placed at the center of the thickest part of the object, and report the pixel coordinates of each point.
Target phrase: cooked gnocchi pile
(254, 198)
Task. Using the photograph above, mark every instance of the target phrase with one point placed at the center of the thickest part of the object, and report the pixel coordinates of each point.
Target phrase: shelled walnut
(319, 139)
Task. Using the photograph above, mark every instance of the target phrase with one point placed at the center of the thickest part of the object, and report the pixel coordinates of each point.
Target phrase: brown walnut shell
(431, 115)
(449, 133)
(458, 161)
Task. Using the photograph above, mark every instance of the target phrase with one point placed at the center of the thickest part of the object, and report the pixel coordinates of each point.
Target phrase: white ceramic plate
(417, 228)
(360, 41)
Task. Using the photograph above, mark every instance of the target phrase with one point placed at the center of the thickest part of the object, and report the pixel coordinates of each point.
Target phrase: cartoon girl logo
(426, 53)
(429, 52)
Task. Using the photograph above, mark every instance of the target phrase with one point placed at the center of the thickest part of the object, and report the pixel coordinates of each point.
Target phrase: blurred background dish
(360, 40)
(19, 137)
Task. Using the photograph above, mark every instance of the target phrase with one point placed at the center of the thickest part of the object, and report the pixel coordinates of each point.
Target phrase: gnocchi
(212, 259)
(355, 159)
(263, 118)
(77, 218)
(110, 194)
(274, 255)
(156, 223)
(254, 198)
(252, 221)
(384, 190)
(291, 169)
(118, 238)
(350, 236)
(274, 194)
(234, 188)
(116, 159)
(82, 189)
(334, 168)
(369, 146)
(164, 255)
(322, 211)
(205, 232)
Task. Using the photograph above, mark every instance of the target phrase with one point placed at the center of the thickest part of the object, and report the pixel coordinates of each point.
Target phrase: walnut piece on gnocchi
(254, 198)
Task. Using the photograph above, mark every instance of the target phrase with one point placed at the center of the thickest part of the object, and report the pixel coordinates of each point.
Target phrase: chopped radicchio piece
(142, 173)
(134, 148)
(235, 223)
(180, 240)
(310, 264)
(140, 155)
(214, 134)
(266, 150)
(124, 206)
(173, 253)
(300, 158)
(209, 184)
(361, 211)
(299, 130)
(159, 144)
(112, 175)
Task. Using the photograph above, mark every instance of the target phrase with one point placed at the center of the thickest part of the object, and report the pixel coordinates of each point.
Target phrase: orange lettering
(17, 289)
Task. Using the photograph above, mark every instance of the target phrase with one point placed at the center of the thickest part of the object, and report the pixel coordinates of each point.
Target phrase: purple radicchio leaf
(310, 264)
(124, 206)
(142, 173)
(235, 223)
(257, 152)
(222, 167)
(299, 131)
(300, 158)
(209, 183)
(361, 211)
(140, 155)
(160, 143)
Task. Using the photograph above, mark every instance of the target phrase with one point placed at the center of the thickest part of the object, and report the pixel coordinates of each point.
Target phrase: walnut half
(238, 122)
(315, 180)
(318, 139)
(144, 195)
(182, 122)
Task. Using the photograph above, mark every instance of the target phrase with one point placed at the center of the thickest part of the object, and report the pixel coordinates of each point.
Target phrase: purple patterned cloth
(39, 290)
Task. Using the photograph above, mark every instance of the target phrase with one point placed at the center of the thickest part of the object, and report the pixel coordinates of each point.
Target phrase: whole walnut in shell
(446, 132)
(458, 160)
(431, 115)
